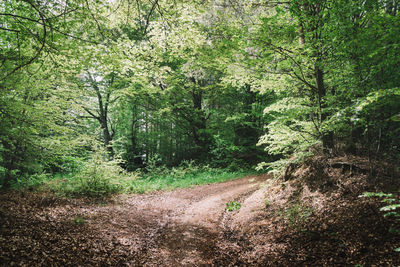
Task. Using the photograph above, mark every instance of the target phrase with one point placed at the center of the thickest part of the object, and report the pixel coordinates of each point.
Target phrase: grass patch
(172, 180)
(98, 179)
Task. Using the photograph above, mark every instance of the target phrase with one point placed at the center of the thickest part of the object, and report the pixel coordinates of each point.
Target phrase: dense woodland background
(224, 83)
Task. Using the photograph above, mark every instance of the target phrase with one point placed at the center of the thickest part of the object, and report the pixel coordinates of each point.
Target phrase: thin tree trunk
(327, 137)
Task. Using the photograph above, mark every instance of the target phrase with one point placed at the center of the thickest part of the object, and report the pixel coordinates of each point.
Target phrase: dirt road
(281, 224)
(186, 227)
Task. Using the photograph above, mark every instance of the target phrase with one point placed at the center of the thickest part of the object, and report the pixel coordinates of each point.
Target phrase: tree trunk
(102, 114)
(327, 136)
(107, 136)
(199, 125)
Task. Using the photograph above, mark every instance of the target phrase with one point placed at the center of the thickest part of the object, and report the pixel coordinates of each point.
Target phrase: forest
(109, 99)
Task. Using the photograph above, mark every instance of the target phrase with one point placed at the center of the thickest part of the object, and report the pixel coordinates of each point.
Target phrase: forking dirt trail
(316, 218)
(188, 224)
(185, 227)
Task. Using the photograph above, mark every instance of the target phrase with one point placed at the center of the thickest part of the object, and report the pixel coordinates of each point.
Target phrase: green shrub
(185, 175)
(391, 208)
(154, 165)
(222, 151)
(233, 205)
(2, 176)
(98, 177)
(71, 164)
(393, 203)
(31, 181)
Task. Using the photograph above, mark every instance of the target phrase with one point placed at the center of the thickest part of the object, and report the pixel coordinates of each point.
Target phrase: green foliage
(278, 166)
(289, 133)
(186, 175)
(223, 152)
(154, 166)
(345, 98)
(393, 203)
(32, 181)
(97, 177)
(35, 106)
(233, 205)
(208, 86)
(391, 208)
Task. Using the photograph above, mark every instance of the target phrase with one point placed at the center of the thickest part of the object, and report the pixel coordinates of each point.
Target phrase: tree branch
(90, 113)
(9, 30)
(149, 15)
(42, 17)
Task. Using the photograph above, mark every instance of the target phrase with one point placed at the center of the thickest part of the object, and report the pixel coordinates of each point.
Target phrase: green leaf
(390, 207)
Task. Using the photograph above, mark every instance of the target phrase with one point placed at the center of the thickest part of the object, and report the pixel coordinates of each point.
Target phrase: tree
(326, 51)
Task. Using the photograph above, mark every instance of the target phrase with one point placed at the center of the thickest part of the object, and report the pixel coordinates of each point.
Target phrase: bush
(2, 176)
(31, 181)
(185, 175)
(222, 152)
(154, 165)
(98, 177)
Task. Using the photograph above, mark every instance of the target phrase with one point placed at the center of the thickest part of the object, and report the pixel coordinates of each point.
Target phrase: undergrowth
(100, 178)
(181, 177)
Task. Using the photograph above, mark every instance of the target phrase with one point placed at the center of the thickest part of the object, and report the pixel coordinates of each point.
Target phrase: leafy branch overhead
(228, 84)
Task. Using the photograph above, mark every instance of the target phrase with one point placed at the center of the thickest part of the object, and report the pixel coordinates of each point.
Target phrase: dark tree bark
(327, 137)
(198, 123)
(102, 114)
(315, 10)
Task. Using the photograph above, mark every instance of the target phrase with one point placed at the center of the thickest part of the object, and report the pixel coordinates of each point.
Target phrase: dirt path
(185, 224)
(281, 224)
(185, 227)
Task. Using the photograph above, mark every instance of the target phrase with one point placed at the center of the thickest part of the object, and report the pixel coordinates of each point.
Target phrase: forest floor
(306, 220)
